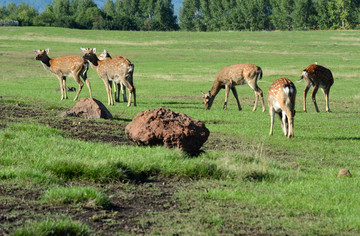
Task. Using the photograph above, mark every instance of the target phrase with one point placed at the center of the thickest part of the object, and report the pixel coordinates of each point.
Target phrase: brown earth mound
(88, 108)
(165, 127)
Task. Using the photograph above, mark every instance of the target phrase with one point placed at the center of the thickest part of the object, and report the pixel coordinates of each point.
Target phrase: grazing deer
(318, 77)
(74, 66)
(281, 98)
(115, 69)
(229, 77)
(118, 85)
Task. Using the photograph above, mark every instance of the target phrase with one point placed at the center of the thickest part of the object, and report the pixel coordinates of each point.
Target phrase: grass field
(56, 176)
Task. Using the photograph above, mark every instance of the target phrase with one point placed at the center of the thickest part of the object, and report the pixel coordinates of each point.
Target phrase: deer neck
(215, 89)
(46, 61)
(94, 62)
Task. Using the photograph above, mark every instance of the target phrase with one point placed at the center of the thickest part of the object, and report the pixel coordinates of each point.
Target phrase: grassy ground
(80, 176)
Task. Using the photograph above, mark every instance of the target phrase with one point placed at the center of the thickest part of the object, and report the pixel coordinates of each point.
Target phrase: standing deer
(281, 98)
(74, 66)
(318, 77)
(118, 85)
(229, 77)
(115, 69)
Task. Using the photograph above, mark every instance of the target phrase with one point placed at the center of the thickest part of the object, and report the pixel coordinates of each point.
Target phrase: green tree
(46, 18)
(254, 14)
(164, 15)
(281, 14)
(23, 13)
(323, 15)
(346, 11)
(63, 16)
(191, 17)
(4, 13)
(128, 15)
(109, 10)
(303, 15)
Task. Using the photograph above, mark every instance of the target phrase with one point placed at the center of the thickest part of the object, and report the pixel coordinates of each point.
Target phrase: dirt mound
(88, 108)
(165, 127)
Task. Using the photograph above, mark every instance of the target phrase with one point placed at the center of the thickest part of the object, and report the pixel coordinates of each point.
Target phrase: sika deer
(118, 85)
(74, 66)
(229, 77)
(281, 98)
(116, 69)
(318, 77)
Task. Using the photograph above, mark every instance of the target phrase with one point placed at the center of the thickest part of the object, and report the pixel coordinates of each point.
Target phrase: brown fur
(281, 99)
(74, 66)
(234, 75)
(118, 85)
(114, 69)
(318, 77)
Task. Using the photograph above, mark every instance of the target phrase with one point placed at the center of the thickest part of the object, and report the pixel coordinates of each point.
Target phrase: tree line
(84, 14)
(215, 15)
(194, 15)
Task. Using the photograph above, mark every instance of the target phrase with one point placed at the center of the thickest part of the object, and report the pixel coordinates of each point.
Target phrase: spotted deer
(115, 69)
(118, 85)
(281, 97)
(318, 77)
(62, 67)
(229, 77)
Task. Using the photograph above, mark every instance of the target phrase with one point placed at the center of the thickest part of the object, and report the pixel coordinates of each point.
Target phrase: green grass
(76, 195)
(52, 227)
(246, 182)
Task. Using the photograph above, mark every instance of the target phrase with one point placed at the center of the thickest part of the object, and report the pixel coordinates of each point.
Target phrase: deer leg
(131, 89)
(326, 93)
(64, 87)
(227, 90)
(284, 123)
(84, 76)
(313, 96)
(60, 78)
(116, 91)
(272, 115)
(287, 121)
(233, 89)
(106, 83)
(260, 93)
(307, 87)
(123, 91)
(81, 85)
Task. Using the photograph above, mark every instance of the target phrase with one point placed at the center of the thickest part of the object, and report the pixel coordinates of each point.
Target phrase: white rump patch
(289, 91)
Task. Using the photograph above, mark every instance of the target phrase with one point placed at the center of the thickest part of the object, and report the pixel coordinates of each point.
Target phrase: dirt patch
(106, 131)
(129, 204)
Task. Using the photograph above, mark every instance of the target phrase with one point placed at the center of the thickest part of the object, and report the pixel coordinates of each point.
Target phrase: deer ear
(82, 49)
(203, 93)
(47, 51)
(94, 50)
(105, 52)
(36, 51)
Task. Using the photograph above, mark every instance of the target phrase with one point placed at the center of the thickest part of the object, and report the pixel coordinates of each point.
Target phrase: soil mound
(165, 127)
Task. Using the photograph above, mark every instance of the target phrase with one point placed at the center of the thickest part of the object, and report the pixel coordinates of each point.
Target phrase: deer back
(115, 68)
(318, 75)
(238, 74)
(282, 92)
(67, 65)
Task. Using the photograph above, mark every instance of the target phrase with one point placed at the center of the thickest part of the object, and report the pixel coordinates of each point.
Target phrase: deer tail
(260, 73)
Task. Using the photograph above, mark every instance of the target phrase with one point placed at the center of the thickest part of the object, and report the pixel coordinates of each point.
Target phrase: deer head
(208, 100)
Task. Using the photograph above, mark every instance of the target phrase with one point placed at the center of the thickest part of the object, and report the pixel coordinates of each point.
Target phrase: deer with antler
(318, 77)
(118, 85)
(115, 69)
(234, 75)
(281, 98)
(62, 67)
